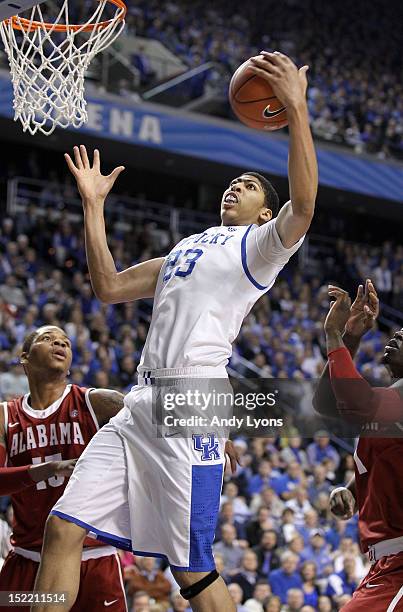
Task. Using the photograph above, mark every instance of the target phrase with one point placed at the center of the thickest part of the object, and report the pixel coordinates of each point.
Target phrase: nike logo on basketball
(109, 603)
(11, 425)
(268, 113)
(371, 586)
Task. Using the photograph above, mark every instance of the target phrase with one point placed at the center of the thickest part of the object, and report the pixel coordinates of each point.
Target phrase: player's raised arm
(357, 401)
(289, 85)
(108, 285)
(363, 314)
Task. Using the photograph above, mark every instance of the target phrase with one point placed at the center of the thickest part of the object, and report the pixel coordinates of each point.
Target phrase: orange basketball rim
(28, 25)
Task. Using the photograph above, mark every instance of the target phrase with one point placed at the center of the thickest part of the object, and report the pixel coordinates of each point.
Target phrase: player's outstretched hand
(364, 311)
(342, 503)
(233, 454)
(339, 311)
(289, 84)
(92, 185)
(65, 468)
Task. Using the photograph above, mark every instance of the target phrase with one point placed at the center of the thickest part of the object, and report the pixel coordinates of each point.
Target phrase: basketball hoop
(48, 62)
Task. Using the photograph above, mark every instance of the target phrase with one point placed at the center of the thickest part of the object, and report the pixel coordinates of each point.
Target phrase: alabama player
(376, 490)
(41, 436)
(164, 492)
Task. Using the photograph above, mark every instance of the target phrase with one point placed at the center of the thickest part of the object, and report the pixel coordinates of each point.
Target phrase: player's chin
(228, 216)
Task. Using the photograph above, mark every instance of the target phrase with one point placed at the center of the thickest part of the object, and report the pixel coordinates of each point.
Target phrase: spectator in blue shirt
(321, 449)
(263, 479)
(293, 477)
(318, 551)
(310, 587)
(342, 529)
(344, 582)
(286, 577)
(318, 483)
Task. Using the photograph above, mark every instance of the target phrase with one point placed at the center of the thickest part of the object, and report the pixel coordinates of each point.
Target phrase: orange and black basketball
(253, 101)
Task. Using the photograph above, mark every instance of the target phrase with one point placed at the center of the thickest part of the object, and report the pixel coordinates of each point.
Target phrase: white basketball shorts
(156, 496)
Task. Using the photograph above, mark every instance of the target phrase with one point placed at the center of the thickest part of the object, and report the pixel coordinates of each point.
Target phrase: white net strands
(48, 62)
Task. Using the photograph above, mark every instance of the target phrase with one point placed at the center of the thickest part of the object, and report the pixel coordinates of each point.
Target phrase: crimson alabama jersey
(60, 432)
(379, 487)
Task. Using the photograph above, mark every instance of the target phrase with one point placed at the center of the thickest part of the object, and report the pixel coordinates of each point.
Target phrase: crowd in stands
(355, 94)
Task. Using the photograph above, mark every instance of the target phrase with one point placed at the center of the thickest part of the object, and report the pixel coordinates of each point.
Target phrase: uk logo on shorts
(207, 445)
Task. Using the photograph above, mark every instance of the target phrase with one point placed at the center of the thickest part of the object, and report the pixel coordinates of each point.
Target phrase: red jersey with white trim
(60, 432)
(379, 489)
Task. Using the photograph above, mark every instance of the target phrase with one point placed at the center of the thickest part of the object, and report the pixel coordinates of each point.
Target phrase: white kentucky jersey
(207, 285)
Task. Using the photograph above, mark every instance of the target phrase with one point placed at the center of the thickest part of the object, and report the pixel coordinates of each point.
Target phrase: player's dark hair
(271, 197)
(28, 341)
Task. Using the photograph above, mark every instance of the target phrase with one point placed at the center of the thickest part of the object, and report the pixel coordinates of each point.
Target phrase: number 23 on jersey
(181, 263)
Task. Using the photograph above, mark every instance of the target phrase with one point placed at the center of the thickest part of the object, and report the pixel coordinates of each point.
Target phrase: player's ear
(24, 358)
(265, 216)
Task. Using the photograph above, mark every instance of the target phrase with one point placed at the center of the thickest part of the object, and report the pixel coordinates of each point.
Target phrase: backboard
(9, 8)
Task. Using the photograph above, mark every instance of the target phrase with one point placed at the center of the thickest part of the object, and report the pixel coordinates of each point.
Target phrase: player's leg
(101, 586)
(59, 570)
(95, 500)
(205, 591)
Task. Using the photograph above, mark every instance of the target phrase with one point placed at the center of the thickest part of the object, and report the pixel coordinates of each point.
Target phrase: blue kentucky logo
(207, 445)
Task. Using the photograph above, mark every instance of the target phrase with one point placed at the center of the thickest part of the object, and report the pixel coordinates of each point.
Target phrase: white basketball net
(48, 67)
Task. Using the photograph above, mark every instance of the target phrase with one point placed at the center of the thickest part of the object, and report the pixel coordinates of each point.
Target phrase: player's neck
(44, 394)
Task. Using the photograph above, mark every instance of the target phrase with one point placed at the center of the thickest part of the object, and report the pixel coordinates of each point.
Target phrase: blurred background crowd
(355, 95)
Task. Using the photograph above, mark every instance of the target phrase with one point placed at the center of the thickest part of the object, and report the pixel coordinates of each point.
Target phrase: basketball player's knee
(63, 533)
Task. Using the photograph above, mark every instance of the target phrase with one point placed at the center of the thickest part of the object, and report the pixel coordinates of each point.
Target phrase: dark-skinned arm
(357, 401)
(106, 403)
(363, 313)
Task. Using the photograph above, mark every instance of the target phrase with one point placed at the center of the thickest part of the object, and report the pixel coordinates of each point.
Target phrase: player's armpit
(135, 283)
(106, 403)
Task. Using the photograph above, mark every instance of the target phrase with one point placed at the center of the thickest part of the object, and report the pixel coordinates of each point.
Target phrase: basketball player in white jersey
(160, 495)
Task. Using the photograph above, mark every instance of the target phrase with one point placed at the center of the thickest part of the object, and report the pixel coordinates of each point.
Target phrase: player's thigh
(17, 574)
(96, 494)
(101, 586)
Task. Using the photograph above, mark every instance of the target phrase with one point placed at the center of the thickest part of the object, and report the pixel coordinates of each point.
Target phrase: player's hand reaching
(342, 503)
(363, 311)
(288, 82)
(92, 185)
(339, 311)
(233, 454)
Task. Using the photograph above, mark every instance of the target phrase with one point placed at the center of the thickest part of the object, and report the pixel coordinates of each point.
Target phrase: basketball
(253, 101)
